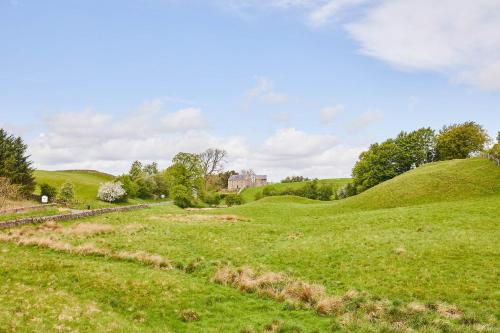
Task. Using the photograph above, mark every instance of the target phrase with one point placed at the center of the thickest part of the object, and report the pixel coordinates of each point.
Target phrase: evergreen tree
(14, 162)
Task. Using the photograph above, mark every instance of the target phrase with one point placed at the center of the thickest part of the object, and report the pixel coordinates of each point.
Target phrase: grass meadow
(280, 264)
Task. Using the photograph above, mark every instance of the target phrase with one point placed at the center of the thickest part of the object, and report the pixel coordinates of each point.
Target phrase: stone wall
(67, 216)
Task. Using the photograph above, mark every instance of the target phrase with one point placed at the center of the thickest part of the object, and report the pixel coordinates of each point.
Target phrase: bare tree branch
(212, 161)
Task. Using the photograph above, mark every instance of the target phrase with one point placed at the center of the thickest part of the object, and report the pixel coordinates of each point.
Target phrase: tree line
(408, 150)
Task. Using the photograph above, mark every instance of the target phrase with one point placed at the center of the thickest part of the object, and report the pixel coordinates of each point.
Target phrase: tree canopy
(460, 140)
(383, 161)
(15, 164)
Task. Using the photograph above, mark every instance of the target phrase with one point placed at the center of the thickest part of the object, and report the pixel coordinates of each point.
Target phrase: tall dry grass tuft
(46, 242)
(304, 292)
(91, 249)
(374, 309)
(133, 228)
(273, 327)
(144, 257)
(415, 307)
(225, 276)
(189, 315)
(87, 229)
(449, 311)
(199, 218)
(330, 305)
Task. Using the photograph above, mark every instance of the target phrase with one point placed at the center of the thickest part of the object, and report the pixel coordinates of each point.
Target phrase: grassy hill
(434, 182)
(426, 262)
(86, 182)
(249, 193)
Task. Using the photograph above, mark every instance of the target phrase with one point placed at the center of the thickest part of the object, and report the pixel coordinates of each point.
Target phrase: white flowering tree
(111, 192)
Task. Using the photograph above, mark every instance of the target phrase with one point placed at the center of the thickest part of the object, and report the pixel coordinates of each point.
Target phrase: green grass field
(86, 184)
(249, 193)
(420, 250)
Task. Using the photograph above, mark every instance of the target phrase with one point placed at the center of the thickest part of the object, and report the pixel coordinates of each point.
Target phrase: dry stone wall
(67, 216)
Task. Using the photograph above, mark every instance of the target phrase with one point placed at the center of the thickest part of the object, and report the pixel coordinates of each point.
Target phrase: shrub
(258, 195)
(8, 190)
(67, 192)
(129, 185)
(495, 151)
(111, 192)
(324, 192)
(233, 199)
(294, 179)
(212, 198)
(48, 190)
(345, 191)
(181, 196)
(310, 190)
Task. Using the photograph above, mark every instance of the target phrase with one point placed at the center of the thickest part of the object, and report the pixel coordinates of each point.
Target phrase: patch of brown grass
(273, 327)
(47, 242)
(300, 294)
(144, 257)
(375, 309)
(350, 295)
(448, 311)
(90, 249)
(400, 250)
(294, 235)
(87, 229)
(305, 292)
(224, 276)
(330, 305)
(87, 249)
(415, 307)
(189, 315)
(200, 218)
(133, 228)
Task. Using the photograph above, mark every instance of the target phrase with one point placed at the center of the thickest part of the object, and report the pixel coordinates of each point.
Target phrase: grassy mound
(249, 193)
(434, 182)
(86, 182)
(287, 199)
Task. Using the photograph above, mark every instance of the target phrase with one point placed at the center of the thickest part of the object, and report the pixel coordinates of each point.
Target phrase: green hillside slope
(249, 193)
(86, 182)
(434, 182)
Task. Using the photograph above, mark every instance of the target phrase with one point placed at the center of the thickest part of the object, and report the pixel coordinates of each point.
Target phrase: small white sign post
(45, 199)
(163, 196)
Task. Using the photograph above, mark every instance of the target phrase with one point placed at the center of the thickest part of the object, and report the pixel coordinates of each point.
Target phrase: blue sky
(286, 86)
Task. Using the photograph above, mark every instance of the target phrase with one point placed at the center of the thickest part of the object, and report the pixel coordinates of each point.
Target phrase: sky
(286, 87)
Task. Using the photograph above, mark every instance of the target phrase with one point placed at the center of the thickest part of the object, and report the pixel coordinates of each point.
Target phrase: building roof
(237, 177)
(242, 177)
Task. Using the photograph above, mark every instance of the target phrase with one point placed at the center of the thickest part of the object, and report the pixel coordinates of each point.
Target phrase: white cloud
(459, 38)
(293, 152)
(291, 142)
(324, 13)
(150, 133)
(329, 113)
(365, 119)
(190, 118)
(92, 140)
(263, 92)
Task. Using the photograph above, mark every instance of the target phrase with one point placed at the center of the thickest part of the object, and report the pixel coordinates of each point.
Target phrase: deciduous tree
(460, 140)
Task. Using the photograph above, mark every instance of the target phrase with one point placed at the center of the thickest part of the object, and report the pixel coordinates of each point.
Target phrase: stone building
(238, 182)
